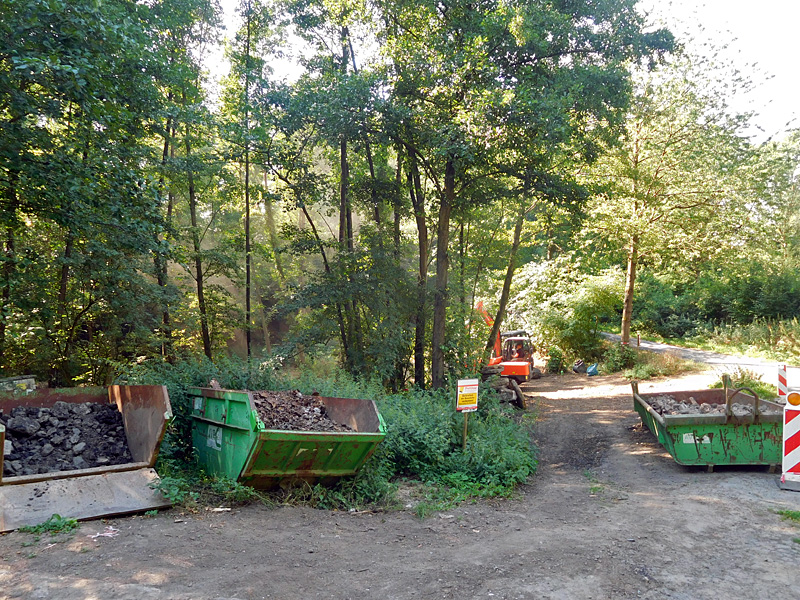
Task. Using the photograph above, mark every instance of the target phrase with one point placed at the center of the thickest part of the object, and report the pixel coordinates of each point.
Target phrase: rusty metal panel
(146, 411)
(359, 415)
(46, 398)
(88, 497)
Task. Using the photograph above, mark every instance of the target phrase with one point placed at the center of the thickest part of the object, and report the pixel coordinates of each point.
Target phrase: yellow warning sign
(467, 400)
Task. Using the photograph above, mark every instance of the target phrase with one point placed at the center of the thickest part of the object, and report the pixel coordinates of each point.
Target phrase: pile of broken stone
(65, 437)
(667, 405)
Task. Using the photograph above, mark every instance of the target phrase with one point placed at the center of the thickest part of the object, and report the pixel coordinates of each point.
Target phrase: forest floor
(609, 514)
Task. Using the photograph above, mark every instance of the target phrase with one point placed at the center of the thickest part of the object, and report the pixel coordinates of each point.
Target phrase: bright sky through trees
(763, 33)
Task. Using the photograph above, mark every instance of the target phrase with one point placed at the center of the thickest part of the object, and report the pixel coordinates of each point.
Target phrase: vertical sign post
(467, 401)
(790, 478)
(783, 388)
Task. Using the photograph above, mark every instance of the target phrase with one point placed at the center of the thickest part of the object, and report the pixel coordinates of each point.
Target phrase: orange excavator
(513, 350)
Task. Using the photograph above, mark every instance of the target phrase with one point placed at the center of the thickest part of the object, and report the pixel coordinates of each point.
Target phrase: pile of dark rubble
(62, 438)
(507, 388)
(294, 411)
(667, 405)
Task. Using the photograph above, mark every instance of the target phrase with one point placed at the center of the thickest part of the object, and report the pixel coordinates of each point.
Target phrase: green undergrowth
(742, 377)
(790, 515)
(636, 364)
(423, 442)
(189, 486)
(55, 525)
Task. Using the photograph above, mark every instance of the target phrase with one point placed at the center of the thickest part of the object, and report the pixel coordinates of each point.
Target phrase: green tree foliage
(494, 97)
(77, 102)
(678, 181)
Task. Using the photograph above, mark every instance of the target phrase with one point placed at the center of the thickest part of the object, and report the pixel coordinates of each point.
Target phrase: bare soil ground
(608, 515)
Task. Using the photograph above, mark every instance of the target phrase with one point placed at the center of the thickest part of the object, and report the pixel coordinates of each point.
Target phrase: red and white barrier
(790, 478)
(783, 388)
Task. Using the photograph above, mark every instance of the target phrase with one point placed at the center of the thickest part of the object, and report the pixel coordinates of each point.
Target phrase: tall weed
(777, 340)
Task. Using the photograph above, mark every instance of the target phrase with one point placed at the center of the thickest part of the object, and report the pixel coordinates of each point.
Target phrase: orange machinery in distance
(513, 350)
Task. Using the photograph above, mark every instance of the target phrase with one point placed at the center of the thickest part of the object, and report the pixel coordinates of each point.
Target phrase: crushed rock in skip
(665, 404)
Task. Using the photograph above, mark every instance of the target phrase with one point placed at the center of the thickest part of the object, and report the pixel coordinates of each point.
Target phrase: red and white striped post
(783, 388)
(790, 477)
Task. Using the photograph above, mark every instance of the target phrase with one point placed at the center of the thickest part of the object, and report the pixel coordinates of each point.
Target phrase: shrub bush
(423, 438)
(618, 357)
(555, 360)
(560, 306)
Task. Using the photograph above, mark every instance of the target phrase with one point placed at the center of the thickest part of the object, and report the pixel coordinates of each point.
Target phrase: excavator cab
(517, 348)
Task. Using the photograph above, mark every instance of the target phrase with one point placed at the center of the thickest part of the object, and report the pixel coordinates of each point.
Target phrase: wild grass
(763, 338)
(742, 377)
(637, 364)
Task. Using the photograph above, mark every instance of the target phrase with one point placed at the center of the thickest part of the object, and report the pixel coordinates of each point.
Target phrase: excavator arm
(498, 346)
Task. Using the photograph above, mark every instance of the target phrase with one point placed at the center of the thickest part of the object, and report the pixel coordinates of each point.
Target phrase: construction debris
(667, 405)
(293, 411)
(63, 438)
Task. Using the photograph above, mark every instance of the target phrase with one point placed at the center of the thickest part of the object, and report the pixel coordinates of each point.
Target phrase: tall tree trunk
(346, 233)
(63, 285)
(344, 207)
(462, 284)
(247, 253)
(442, 265)
(420, 321)
(8, 274)
(345, 218)
(397, 204)
(247, 256)
(376, 208)
(630, 282)
(58, 373)
(160, 258)
(339, 312)
(198, 261)
(512, 265)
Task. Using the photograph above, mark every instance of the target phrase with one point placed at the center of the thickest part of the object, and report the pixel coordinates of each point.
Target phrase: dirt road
(608, 515)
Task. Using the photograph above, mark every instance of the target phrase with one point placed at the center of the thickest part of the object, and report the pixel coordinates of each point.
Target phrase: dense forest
(364, 174)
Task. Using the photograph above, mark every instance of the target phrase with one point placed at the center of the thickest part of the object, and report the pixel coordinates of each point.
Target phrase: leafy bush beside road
(423, 441)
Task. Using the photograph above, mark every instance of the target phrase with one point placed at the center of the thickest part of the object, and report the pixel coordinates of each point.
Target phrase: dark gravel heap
(667, 405)
(62, 438)
(292, 411)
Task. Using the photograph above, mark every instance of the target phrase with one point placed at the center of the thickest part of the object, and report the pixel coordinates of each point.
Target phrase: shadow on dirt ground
(609, 514)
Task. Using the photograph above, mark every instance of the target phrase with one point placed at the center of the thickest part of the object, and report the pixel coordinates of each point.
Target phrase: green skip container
(717, 439)
(231, 440)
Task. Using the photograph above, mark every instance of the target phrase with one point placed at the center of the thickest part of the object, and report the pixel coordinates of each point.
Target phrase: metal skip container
(232, 441)
(716, 439)
(97, 491)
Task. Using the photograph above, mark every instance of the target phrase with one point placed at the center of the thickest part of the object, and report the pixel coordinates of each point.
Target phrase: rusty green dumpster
(716, 439)
(230, 440)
